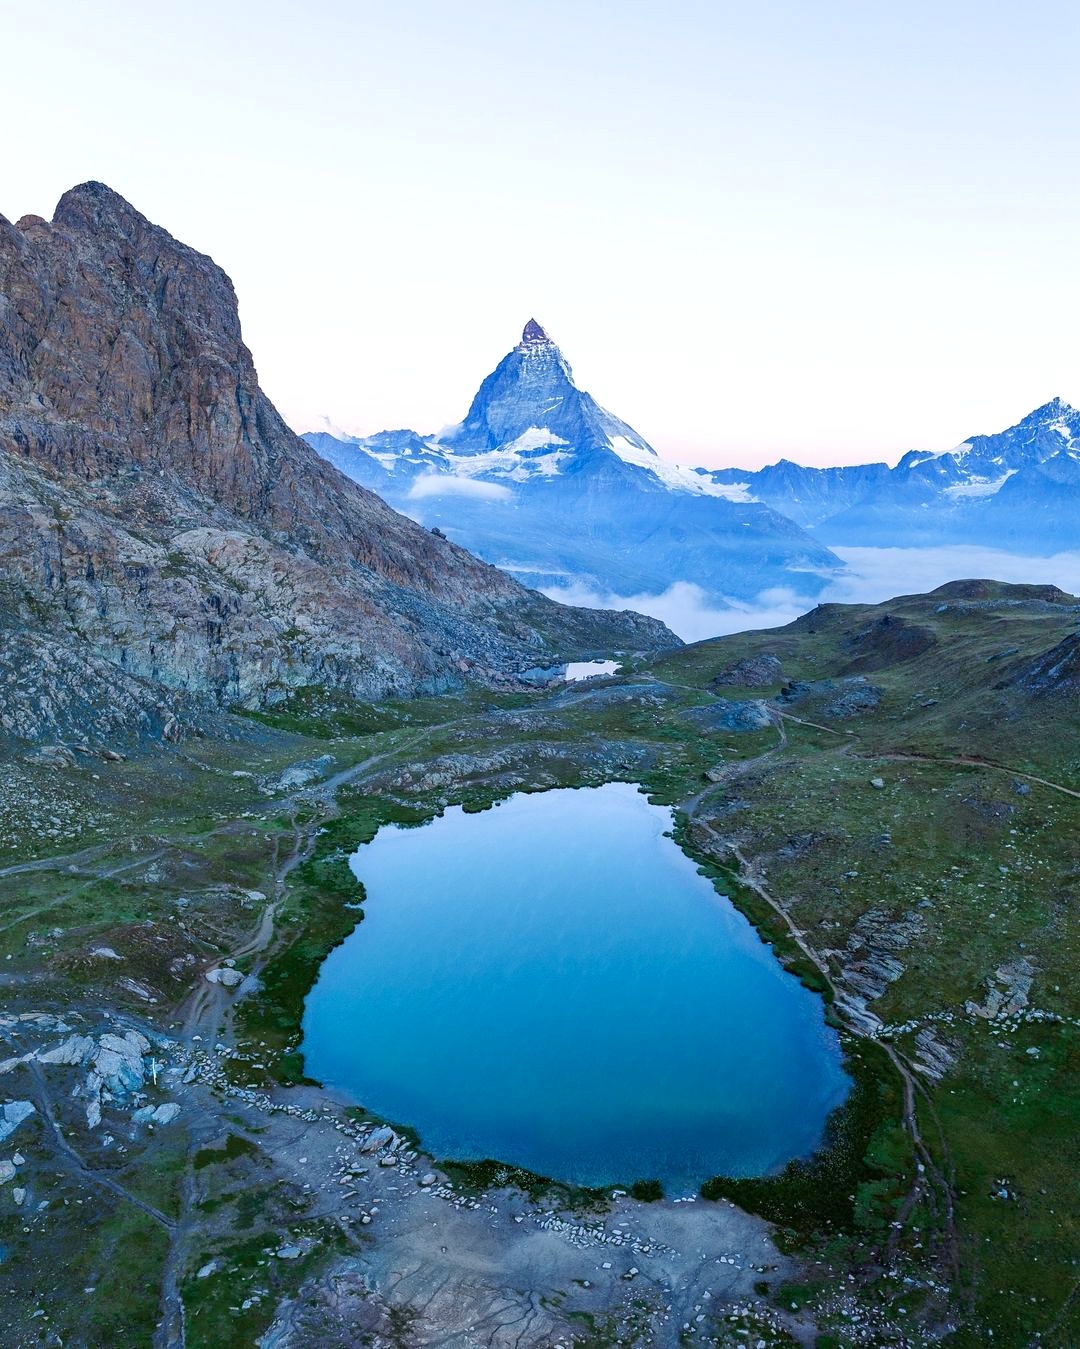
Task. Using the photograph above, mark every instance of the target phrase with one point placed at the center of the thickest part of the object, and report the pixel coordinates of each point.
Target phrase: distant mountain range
(545, 483)
(1015, 490)
(542, 481)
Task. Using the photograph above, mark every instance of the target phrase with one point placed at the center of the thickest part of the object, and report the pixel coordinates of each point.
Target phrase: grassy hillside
(891, 793)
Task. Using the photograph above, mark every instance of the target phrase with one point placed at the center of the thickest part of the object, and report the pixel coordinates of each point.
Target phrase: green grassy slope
(935, 912)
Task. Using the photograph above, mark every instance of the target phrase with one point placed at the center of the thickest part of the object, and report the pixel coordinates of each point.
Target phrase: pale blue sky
(831, 231)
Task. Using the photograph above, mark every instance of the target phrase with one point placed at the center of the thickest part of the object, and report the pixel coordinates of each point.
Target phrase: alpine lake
(552, 983)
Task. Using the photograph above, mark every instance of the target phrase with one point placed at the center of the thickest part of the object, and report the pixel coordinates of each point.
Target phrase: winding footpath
(930, 1181)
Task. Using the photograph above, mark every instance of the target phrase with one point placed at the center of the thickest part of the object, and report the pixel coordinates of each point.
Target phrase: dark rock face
(157, 515)
(1056, 671)
(533, 333)
(728, 715)
(753, 672)
(846, 697)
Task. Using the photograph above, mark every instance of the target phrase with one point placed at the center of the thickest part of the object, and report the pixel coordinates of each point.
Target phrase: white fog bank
(872, 575)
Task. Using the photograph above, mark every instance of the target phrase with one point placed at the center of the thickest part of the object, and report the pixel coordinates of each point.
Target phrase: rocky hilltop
(164, 535)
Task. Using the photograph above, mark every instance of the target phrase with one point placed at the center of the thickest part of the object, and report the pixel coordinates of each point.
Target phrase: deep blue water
(552, 983)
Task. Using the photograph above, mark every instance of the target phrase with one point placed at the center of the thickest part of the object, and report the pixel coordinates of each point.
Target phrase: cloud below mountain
(687, 609)
(440, 485)
(871, 576)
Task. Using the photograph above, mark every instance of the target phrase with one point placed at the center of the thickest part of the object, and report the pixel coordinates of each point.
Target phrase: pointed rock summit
(533, 333)
(531, 393)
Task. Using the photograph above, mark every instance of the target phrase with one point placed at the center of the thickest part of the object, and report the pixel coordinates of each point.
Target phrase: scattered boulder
(301, 774)
(12, 1114)
(224, 975)
(118, 1062)
(139, 990)
(75, 1049)
(1008, 991)
(378, 1138)
(161, 1114)
(52, 756)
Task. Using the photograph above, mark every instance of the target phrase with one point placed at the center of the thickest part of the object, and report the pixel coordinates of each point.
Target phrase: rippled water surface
(553, 984)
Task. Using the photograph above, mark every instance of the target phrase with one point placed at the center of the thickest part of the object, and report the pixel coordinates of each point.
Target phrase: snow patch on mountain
(535, 438)
(733, 491)
(518, 459)
(977, 487)
(673, 476)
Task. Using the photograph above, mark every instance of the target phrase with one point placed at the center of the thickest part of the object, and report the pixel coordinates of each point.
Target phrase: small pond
(552, 983)
(590, 669)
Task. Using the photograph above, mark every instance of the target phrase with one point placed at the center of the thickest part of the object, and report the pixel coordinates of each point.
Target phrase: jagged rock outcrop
(163, 531)
(1055, 671)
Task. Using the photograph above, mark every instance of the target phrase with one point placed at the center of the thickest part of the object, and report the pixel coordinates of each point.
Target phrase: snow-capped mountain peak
(540, 478)
(530, 402)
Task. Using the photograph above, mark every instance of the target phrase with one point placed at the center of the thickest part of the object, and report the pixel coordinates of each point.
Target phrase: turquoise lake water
(553, 984)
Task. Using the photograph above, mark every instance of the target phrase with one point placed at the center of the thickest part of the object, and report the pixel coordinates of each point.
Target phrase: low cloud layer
(872, 575)
(446, 485)
(876, 574)
(686, 608)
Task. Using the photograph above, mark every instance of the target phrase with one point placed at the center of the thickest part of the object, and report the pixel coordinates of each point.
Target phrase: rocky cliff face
(163, 533)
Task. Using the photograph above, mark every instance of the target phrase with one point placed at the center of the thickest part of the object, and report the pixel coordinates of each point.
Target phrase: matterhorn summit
(533, 334)
(543, 481)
